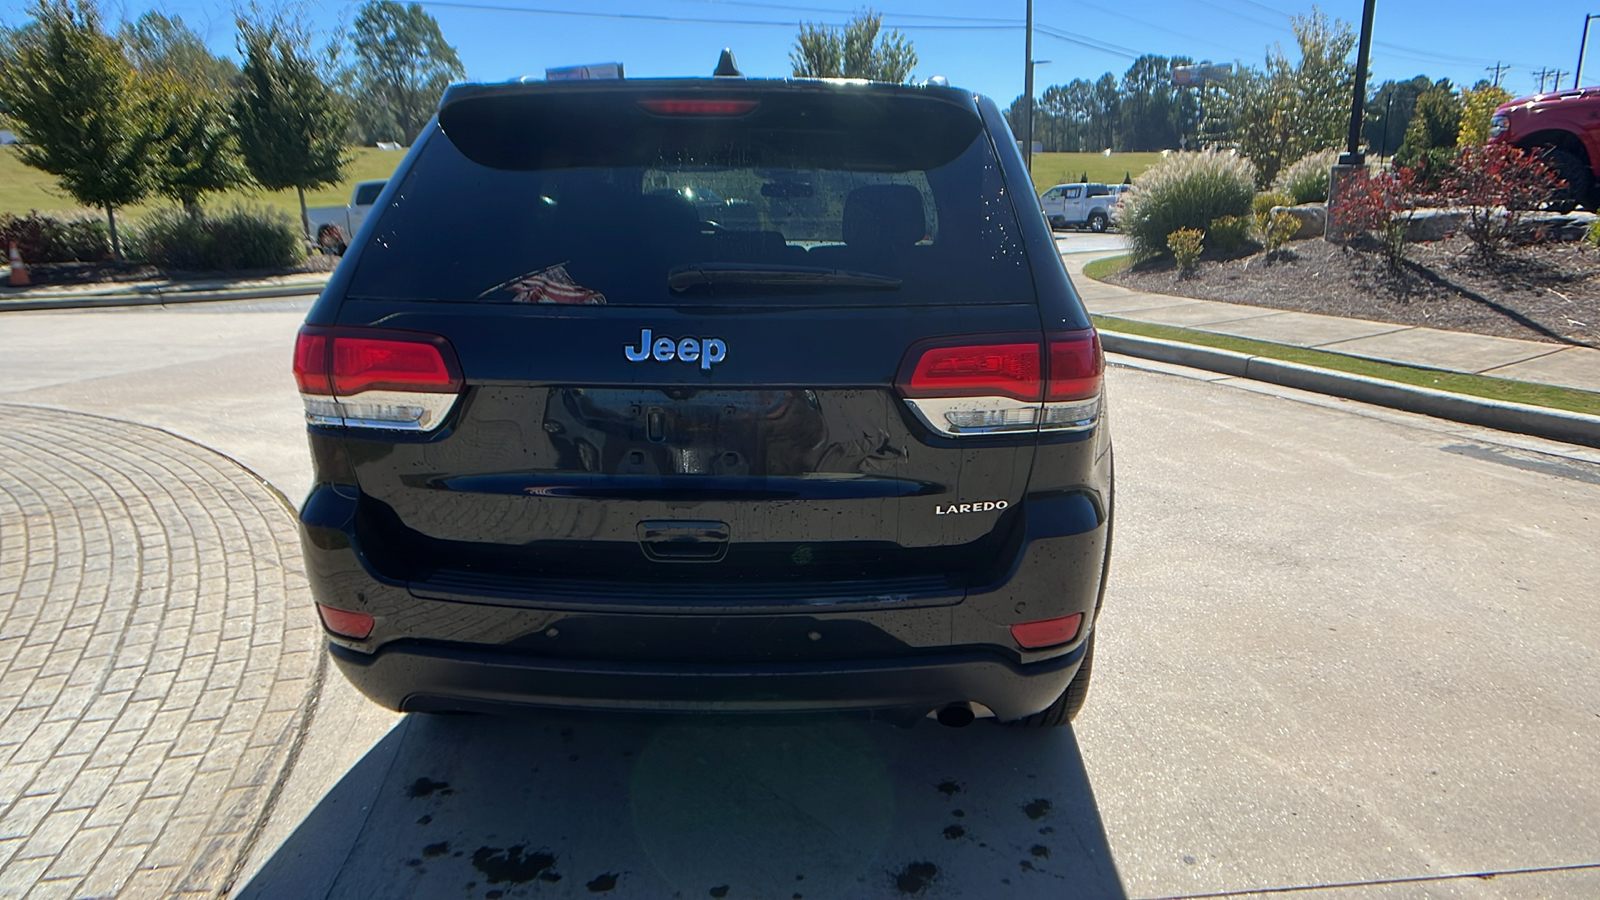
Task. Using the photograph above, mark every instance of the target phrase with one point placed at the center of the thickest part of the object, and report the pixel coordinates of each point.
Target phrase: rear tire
(1066, 707)
(1097, 223)
(1579, 179)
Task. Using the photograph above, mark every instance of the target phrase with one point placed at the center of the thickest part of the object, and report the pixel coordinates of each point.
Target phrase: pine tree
(292, 126)
(856, 51)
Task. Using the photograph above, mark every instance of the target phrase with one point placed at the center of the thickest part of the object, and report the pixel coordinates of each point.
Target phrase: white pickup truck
(335, 226)
(1089, 205)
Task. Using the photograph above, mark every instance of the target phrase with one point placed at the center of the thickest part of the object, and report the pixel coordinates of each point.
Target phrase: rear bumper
(420, 677)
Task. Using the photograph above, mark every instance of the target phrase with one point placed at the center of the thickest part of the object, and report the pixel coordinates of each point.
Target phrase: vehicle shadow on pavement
(653, 807)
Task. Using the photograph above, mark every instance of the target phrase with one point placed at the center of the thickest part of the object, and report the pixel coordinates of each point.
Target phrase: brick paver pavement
(159, 658)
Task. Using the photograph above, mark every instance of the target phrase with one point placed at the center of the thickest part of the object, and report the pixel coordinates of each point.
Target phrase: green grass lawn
(1050, 169)
(23, 188)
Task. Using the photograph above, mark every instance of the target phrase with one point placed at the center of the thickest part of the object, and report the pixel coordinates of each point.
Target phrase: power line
(850, 12)
(687, 20)
(1497, 69)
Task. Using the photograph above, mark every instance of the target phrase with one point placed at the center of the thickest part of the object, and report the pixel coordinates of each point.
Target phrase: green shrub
(1185, 190)
(1228, 234)
(1261, 208)
(1306, 181)
(238, 238)
(1592, 235)
(1280, 229)
(51, 239)
(1186, 244)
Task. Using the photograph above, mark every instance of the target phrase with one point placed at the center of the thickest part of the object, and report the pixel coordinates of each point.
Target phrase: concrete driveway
(1345, 653)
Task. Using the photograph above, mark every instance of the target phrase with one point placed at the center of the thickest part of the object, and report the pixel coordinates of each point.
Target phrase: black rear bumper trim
(414, 676)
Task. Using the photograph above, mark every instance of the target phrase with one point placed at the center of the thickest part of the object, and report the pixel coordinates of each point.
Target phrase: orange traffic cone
(19, 272)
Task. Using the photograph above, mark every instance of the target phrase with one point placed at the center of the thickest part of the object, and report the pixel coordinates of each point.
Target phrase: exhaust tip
(956, 715)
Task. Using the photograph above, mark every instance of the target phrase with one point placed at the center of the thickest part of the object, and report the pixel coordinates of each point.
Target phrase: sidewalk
(1410, 345)
(141, 293)
(1536, 362)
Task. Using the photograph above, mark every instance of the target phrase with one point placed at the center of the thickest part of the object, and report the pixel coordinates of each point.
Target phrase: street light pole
(1577, 76)
(1027, 95)
(1353, 155)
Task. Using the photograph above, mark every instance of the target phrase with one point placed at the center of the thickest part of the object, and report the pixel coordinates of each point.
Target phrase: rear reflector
(375, 378)
(1046, 632)
(675, 106)
(343, 622)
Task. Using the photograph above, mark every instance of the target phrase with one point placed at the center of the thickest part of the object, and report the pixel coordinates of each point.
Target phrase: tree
(1153, 114)
(292, 127)
(79, 108)
(1434, 126)
(403, 65)
(1103, 112)
(1288, 111)
(856, 51)
(1477, 108)
(161, 44)
(1389, 110)
(198, 151)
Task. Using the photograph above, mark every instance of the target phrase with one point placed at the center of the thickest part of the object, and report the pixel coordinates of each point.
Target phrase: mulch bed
(97, 272)
(1544, 292)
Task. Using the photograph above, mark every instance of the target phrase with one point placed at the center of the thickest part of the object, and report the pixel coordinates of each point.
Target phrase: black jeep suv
(709, 394)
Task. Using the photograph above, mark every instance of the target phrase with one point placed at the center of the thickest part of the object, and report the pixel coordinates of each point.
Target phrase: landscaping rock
(1571, 226)
(1313, 219)
(1429, 225)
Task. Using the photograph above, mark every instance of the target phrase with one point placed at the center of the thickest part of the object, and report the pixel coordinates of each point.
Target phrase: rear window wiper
(711, 274)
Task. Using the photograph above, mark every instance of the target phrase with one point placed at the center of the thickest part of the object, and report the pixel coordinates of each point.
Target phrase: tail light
(995, 384)
(376, 378)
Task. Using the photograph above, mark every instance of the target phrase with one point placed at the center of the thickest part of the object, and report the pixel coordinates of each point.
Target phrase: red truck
(1566, 125)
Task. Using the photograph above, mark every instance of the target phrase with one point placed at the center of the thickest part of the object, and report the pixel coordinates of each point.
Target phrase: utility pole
(1555, 80)
(1499, 69)
(1027, 95)
(1542, 74)
(1581, 42)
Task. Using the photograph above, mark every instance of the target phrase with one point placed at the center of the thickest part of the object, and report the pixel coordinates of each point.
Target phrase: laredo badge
(956, 509)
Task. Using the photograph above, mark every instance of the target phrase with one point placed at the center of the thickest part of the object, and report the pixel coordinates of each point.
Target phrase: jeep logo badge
(706, 351)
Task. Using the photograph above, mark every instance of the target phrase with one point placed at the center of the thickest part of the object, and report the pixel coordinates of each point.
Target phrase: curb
(1539, 421)
(159, 298)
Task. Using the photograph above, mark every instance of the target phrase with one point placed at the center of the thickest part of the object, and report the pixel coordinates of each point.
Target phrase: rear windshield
(673, 218)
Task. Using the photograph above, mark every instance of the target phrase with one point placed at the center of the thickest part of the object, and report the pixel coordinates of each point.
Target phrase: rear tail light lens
(375, 378)
(1046, 632)
(1005, 383)
(345, 623)
(977, 370)
(1077, 377)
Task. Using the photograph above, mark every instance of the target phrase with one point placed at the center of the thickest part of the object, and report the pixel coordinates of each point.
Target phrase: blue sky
(975, 45)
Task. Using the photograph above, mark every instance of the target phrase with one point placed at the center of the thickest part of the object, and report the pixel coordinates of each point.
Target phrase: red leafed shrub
(49, 239)
(1380, 206)
(1495, 184)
